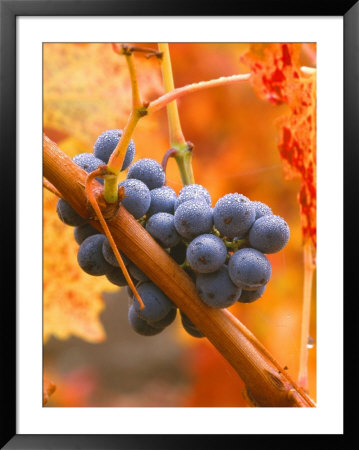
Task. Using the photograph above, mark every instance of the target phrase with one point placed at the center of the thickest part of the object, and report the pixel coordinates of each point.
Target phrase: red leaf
(277, 77)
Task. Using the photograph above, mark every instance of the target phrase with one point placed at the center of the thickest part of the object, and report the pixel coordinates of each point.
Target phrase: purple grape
(139, 325)
(199, 198)
(90, 257)
(269, 234)
(89, 163)
(149, 172)
(194, 190)
(109, 255)
(68, 215)
(107, 142)
(193, 218)
(261, 209)
(233, 215)
(84, 231)
(189, 326)
(157, 304)
(137, 197)
(167, 320)
(136, 273)
(161, 227)
(162, 200)
(206, 253)
(251, 296)
(217, 289)
(249, 269)
(178, 253)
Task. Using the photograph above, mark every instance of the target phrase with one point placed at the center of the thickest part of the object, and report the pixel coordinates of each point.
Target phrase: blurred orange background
(90, 352)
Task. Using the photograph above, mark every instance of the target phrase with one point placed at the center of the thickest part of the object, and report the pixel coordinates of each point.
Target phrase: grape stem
(177, 139)
(171, 153)
(267, 382)
(117, 158)
(51, 187)
(235, 245)
(184, 149)
(138, 110)
(309, 268)
(136, 96)
(195, 87)
(149, 52)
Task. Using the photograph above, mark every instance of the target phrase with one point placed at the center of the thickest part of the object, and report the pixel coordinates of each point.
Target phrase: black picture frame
(10, 10)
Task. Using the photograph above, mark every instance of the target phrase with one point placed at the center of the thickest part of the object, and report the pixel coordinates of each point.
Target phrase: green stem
(136, 97)
(177, 139)
(111, 188)
(184, 162)
(116, 160)
(185, 264)
(236, 245)
(118, 156)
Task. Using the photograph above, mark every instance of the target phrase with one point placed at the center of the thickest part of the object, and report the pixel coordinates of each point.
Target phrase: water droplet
(310, 342)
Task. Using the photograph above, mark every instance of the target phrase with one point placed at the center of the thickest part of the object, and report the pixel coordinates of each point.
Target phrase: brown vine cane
(266, 384)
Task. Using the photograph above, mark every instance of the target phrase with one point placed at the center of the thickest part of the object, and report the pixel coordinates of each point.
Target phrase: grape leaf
(72, 299)
(278, 78)
(48, 388)
(87, 90)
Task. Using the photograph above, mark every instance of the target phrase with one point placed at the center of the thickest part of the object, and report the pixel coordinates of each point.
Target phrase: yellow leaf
(87, 90)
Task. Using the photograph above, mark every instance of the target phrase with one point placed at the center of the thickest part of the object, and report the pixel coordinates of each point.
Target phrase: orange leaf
(72, 298)
(48, 389)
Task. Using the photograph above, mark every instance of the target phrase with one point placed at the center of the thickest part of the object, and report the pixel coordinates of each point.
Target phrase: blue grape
(68, 215)
(162, 200)
(106, 143)
(139, 325)
(89, 163)
(136, 273)
(233, 215)
(251, 296)
(149, 172)
(161, 227)
(190, 196)
(109, 255)
(84, 231)
(137, 197)
(190, 273)
(206, 253)
(157, 304)
(249, 269)
(261, 209)
(178, 253)
(90, 257)
(217, 289)
(189, 326)
(116, 276)
(193, 218)
(269, 234)
(167, 320)
(129, 292)
(193, 191)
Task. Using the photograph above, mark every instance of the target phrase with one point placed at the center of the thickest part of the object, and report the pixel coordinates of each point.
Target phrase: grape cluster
(222, 248)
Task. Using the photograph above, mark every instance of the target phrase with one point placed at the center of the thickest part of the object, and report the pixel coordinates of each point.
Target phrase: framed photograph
(179, 293)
